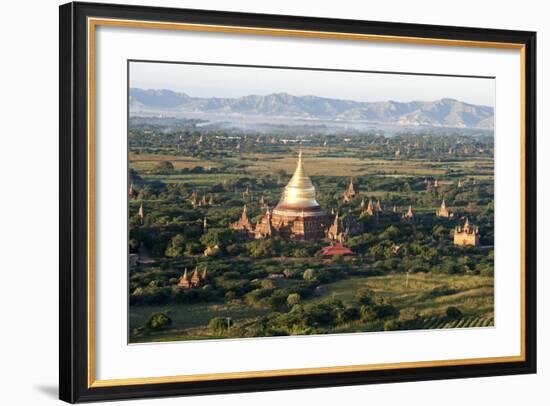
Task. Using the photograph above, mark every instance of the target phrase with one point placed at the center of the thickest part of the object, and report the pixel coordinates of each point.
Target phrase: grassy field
(349, 166)
(472, 294)
(195, 180)
(188, 319)
(342, 165)
(428, 294)
(144, 162)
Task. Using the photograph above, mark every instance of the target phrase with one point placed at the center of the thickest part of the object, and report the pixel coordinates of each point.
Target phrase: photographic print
(319, 202)
(284, 201)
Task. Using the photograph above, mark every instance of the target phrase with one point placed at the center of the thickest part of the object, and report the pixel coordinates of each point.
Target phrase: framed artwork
(256, 202)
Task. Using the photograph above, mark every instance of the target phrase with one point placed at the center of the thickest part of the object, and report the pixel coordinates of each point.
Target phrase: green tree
(293, 299)
(453, 313)
(440, 232)
(267, 284)
(193, 248)
(164, 166)
(391, 233)
(176, 246)
(309, 274)
(217, 236)
(446, 266)
(300, 253)
(159, 321)
(386, 310)
(262, 249)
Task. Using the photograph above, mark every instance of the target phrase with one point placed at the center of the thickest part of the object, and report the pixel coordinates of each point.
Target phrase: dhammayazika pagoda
(298, 216)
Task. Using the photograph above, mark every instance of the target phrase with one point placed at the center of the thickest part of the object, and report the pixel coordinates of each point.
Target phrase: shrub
(391, 325)
(255, 297)
(218, 325)
(365, 296)
(267, 284)
(300, 253)
(278, 300)
(230, 296)
(386, 310)
(367, 313)
(159, 321)
(453, 313)
(349, 314)
(309, 274)
(447, 267)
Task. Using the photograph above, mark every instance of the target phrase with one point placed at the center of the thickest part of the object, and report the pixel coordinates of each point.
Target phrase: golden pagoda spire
(299, 192)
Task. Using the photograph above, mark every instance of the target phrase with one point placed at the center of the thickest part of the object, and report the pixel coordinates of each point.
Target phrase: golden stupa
(298, 215)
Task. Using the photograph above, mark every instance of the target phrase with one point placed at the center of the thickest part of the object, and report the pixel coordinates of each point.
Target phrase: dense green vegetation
(405, 274)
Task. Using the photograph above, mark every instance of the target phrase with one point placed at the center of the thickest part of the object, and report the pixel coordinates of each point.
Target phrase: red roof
(336, 249)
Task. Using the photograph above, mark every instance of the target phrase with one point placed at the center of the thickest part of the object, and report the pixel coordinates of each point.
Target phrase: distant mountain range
(440, 113)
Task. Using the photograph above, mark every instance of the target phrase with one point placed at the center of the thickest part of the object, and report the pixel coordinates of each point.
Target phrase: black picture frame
(73, 284)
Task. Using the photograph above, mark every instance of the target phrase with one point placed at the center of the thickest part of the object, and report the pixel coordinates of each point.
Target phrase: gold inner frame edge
(94, 22)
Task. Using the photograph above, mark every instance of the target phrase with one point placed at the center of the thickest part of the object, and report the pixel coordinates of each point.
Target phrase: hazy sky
(227, 81)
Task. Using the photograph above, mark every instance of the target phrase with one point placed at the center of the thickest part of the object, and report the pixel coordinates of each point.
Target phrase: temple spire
(299, 192)
(141, 212)
(299, 165)
(409, 215)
